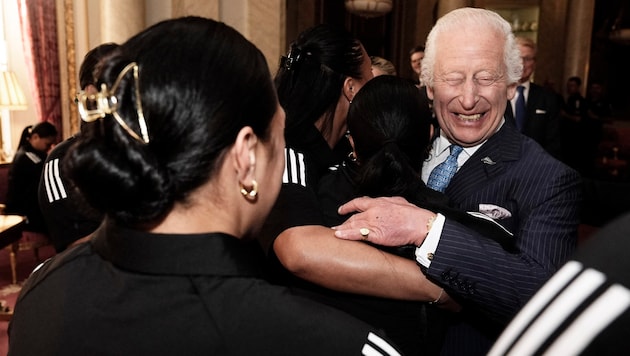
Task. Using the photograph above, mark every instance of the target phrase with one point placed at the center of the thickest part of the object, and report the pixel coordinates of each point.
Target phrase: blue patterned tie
(521, 109)
(441, 175)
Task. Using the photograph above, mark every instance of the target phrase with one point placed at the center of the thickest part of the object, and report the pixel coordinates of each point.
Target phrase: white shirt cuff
(424, 252)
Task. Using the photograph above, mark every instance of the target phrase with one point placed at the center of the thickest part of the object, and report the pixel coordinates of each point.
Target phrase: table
(11, 229)
(10, 233)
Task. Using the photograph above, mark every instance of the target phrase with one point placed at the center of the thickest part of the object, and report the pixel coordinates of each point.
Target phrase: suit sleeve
(477, 270)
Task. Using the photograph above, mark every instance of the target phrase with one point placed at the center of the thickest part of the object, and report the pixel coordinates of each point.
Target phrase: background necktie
(441, 175)
(521, 109)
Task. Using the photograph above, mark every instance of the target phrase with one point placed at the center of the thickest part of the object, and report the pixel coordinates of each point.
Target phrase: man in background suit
(542, 115)
(503, 175)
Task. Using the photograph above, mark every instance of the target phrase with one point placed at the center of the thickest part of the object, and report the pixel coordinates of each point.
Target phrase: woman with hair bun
(185, 162)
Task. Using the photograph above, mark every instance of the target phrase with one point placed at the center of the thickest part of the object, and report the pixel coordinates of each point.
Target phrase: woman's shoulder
(28, 156)
(264, 302)
(335, 188)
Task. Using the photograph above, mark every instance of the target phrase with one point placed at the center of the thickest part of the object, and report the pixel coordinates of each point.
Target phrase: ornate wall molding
(68, 67)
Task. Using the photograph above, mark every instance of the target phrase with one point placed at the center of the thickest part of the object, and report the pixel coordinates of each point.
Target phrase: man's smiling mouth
(473, 117)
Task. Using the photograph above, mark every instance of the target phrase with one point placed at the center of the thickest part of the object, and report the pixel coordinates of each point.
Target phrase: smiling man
(471, 68)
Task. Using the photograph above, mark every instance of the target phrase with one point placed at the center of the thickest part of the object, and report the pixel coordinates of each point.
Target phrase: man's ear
(511, 91)
(348, 88)
(244, 155)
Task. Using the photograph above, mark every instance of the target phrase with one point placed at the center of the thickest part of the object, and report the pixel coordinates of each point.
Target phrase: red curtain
(38, 19)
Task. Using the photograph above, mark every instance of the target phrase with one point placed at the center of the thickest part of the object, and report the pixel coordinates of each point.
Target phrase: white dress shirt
(438, 153)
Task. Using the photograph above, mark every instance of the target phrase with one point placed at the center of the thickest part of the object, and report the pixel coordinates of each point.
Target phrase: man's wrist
(425, 252)
(430, 225)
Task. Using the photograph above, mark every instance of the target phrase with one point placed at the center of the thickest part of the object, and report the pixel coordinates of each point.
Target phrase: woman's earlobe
(348, 89)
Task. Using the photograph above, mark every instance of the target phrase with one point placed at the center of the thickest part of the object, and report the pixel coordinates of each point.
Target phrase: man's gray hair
(462, 19)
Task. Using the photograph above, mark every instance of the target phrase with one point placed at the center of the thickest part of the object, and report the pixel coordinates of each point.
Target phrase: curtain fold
(38, 20)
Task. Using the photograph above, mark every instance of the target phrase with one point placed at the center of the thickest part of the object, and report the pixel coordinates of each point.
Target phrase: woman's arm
(314, 254)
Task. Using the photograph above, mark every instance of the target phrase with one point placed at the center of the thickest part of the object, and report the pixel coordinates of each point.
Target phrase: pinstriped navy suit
(513, 172)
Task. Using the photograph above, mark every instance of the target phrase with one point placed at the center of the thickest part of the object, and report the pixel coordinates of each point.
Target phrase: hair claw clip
(97, 106)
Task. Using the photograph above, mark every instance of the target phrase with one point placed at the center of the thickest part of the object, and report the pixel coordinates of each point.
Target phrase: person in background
(575, 104)
(381, 66)
(316, 83)
(598, 106)
(534, 110)
(486, 167)
(68, 217)
(185, 163)
(26, 168)
(416, 55)
(579, 132)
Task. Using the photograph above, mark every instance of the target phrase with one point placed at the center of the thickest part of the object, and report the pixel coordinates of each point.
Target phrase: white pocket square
(494, 211)
(540, 111)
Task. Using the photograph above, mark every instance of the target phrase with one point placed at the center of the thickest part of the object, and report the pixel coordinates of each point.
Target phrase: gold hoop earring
(252, 192)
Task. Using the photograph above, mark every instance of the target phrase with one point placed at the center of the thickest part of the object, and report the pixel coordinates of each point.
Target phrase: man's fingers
(365, 203)
(355, 205)
(349, 234)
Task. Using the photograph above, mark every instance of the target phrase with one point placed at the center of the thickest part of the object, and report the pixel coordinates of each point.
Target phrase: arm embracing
(314, 254)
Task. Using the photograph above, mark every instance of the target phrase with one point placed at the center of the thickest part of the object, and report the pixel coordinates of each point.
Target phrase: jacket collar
(490, 160)
(177, 254)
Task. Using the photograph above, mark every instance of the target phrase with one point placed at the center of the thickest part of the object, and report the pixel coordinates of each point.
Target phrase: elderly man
(471, 68)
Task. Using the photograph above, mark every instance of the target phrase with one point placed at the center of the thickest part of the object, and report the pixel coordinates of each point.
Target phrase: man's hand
(384, 221)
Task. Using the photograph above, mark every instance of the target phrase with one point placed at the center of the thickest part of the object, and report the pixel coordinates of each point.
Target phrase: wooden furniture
(28, 241)
(11, 229)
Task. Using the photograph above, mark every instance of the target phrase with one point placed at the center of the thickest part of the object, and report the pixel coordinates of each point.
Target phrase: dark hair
(43, 129)
(577, 80)
(310, 78)
(200, 82)
(416, 49)
(390, 127)
(90, 65)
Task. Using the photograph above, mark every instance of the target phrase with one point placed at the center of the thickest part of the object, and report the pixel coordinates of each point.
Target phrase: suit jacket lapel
(488, 162)
(533, 99)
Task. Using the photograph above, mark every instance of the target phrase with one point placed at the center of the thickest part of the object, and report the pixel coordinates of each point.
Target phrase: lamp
(369, 8)
(11, 94)
(11, 98)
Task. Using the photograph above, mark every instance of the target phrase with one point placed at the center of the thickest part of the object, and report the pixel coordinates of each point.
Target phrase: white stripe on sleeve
(592, 321)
